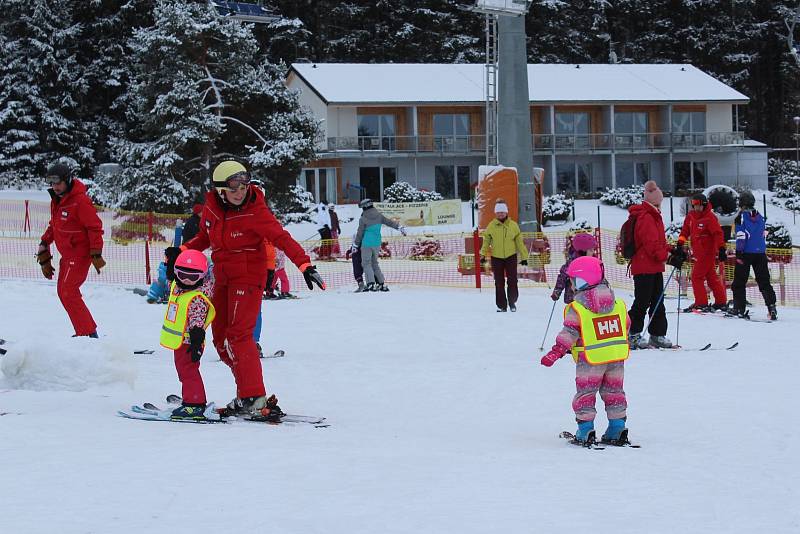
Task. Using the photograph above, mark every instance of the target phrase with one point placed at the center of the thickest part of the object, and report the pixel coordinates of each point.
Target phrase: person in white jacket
(323, 220)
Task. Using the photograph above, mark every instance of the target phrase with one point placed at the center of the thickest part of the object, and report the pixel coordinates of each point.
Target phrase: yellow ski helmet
(226, 171)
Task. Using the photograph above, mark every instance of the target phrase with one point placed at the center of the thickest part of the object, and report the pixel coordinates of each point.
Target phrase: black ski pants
(742, 272)
(647, 290)
(505, 270)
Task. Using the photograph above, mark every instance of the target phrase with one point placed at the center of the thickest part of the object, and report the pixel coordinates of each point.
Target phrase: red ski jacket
(236, 237)
(651, 242)
(704, 231)
(74, 225)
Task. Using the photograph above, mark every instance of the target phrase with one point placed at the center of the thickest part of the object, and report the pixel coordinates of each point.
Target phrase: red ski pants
(237, 306)
(192, 389)
(705, 270)
(71, 276)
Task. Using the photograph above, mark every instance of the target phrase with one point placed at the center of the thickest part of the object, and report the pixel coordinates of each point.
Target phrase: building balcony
(543, 144)
(406, 144)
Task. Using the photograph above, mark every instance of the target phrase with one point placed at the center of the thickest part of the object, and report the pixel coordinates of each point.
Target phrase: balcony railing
(442, 144)
(542, 143)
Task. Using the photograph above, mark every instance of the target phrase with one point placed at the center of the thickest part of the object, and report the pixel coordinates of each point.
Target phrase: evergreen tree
(201, 92)
(38, 80)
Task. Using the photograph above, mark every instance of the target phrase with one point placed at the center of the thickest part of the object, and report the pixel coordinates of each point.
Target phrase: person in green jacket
(504, 239)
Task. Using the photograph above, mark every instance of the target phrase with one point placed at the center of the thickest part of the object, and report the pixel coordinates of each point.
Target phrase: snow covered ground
(442, 421)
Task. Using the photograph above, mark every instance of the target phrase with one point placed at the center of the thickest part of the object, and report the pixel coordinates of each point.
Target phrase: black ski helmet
(365, 204)
(747, 200)
(59, 172)
(699, 199)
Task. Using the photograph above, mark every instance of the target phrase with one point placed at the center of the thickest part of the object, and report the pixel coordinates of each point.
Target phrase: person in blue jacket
(751, 250)
(368, 241)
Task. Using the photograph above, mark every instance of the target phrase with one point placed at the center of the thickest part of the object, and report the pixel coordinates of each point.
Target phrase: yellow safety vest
(604, 335)
(173, 331)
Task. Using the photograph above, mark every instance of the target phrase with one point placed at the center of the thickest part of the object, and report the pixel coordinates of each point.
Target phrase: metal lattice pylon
(492, 39)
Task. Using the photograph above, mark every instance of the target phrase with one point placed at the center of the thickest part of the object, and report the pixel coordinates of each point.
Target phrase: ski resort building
(594, 126)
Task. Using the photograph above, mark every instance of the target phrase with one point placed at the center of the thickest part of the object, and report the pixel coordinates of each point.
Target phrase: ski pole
(660, 298)
(548, 324)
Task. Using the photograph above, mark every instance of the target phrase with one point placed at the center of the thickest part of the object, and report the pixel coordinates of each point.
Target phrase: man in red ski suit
(78, 234)
(234, 223)
(702, 228)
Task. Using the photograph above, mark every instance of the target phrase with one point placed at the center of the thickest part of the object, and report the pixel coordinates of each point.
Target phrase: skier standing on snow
(189, 312)
(503, 237)
(647, 269)
(323, 220)
(595, 331)
(336, 229)
(78, 234)
(702, 228)
(368, 241)
(235, 223)
(582, 244)
(751, 250)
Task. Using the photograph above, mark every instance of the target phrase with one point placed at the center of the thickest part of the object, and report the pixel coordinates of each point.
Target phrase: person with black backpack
(645, 229)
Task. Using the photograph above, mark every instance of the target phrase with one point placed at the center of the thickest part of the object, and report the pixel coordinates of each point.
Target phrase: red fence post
(476, 240)
(598, 237)
(147, 247)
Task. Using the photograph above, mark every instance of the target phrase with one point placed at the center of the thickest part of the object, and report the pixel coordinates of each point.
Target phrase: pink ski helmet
(586, 272)
(191, 266)
(582, 242)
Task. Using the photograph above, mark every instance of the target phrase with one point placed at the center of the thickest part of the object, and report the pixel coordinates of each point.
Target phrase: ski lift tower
(508, 119)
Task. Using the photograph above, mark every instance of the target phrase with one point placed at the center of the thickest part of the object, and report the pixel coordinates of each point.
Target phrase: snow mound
(75, 364)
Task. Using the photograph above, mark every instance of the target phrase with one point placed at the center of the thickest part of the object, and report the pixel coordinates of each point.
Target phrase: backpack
(627, 239)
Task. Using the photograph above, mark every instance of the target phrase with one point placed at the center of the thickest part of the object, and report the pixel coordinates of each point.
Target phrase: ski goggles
(53, 179)
(188, 276)
(237, 182)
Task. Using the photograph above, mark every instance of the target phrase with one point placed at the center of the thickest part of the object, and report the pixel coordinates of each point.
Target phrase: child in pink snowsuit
(280, 273)
(593, 324)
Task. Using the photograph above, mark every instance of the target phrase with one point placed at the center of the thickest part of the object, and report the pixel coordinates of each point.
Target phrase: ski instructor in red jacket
(647, 268)
(708, 245)
(234, 223)
(78, 234)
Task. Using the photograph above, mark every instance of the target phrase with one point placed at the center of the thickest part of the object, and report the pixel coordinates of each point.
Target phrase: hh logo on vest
(606, 327)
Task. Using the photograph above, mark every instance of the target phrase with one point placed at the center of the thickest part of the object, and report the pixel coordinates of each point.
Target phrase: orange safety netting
(135, 241)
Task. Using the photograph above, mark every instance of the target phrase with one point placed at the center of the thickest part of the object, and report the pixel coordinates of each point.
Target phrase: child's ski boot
(616, 434)
(189, 412)
(585, 434)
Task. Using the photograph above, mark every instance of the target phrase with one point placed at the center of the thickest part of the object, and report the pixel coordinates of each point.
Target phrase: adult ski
(729, 347)
(276, 354)
(318, 422)
(144, 351)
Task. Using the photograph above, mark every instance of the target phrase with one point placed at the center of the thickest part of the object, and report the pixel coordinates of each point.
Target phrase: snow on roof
(381, 83)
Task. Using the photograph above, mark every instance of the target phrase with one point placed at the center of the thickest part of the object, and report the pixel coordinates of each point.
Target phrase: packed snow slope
(443, 421)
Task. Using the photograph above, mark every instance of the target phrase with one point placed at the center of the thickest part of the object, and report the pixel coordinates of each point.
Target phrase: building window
(451, 132)
(572, 130)
(376, 132)
(630, 129)
(321, 183)
(453, 181)
(632, 172)
(688, 128)
(690, 175)
(373, 180)
(574, 177)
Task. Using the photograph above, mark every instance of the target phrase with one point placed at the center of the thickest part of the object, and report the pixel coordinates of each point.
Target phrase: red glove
(550, 358)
